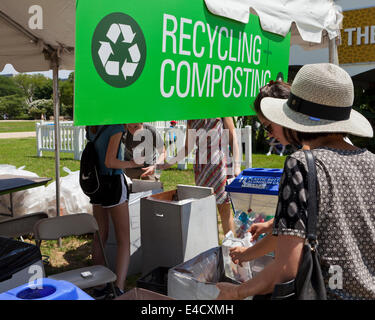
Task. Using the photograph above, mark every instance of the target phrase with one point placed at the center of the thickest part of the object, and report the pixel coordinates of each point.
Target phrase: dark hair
(296, 138)
(274, 89)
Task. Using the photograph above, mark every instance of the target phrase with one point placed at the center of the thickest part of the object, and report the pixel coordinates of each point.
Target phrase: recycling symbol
(118, 50)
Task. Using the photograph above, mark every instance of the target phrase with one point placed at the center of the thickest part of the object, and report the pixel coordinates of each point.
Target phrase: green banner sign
(162, 60)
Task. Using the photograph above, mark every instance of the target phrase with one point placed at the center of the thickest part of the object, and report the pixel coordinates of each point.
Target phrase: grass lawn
(76, 251)
(17, 126)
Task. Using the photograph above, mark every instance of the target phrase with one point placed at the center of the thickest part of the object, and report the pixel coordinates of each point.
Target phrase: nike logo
(85, 177)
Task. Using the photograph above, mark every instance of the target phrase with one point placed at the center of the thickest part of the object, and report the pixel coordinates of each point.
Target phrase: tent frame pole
(333, 55)
(56, 114)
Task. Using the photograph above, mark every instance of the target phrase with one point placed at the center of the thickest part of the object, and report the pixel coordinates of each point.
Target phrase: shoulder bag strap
(312, 211)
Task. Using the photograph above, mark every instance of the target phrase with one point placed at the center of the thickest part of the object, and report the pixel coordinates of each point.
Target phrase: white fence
(73, 140)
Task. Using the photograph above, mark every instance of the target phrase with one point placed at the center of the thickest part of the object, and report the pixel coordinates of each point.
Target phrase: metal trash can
(46, 289)
(255, 192)
(19, 262)
(140, 189)
(177, 225)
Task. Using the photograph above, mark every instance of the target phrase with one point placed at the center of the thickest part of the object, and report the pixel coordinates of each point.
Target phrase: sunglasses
(267, 128)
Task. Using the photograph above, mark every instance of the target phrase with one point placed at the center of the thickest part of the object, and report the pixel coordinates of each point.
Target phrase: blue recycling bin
(253, 194)
(46, 289)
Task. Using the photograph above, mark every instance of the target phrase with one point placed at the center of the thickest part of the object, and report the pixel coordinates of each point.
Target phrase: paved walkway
(7, 135)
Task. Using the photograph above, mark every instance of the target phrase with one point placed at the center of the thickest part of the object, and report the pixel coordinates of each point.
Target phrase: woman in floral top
(318, 116)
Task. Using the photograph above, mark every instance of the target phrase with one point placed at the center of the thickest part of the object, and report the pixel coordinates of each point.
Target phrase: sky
(63, 74)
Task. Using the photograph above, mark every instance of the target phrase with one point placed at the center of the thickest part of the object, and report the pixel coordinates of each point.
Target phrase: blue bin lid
(257, 181)
(46, 289)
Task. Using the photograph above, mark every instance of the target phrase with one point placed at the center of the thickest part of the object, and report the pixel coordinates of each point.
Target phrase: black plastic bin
(15, 259)
(156, 280)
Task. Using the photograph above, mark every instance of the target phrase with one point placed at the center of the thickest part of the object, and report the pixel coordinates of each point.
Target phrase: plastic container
(156, 280)
(257, 181)
(46, 289)
(254, 195)
(19, 261)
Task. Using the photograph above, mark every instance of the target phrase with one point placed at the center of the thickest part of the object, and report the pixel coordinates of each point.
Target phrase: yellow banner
(358, 36)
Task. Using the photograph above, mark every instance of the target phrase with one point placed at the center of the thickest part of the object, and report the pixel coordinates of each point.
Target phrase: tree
(41, 106)
(364, 102)
(34, 87)
(66, 95)
(43, 89)
(8, 87)
(14, 106)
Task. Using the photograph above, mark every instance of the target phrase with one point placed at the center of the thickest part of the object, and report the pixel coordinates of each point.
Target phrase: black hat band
(316, 110)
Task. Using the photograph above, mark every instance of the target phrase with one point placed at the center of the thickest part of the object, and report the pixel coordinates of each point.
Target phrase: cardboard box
(177, 225)
(142, 294)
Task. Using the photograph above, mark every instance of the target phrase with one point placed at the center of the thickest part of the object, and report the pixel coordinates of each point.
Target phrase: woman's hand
(148, 171)
(257, 229)
(237, 171)
(228, 291)
(238, 255)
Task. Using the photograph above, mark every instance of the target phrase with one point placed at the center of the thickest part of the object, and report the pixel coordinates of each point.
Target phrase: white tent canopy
(30, 49)
(312, 22)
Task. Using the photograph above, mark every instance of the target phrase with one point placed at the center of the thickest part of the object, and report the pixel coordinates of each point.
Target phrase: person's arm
(228, 124)
(111, 160)
(259, 249)
(256, 229)
(288, 255)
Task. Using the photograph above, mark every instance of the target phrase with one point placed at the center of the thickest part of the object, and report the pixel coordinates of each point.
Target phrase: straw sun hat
(321, 100)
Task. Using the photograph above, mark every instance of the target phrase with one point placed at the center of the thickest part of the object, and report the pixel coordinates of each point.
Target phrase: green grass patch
(272, 161)
(17, 126)
(22, 152)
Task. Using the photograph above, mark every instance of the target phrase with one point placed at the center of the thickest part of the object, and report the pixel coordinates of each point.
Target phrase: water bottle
(157, 172)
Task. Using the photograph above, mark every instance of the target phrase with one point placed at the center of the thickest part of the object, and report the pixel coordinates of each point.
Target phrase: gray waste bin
(140, 189)
(20, 263)
(177, 225)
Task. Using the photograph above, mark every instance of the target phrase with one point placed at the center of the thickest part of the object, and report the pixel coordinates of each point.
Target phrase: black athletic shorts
(112, 191)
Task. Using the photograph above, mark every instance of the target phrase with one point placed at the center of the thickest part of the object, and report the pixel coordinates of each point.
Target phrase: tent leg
(56, 114)
(333, 55)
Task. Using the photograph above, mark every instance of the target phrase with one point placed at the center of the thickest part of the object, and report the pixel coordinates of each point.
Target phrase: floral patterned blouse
(346, 221)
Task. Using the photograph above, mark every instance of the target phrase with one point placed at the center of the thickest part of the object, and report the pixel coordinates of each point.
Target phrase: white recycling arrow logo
(113, 67)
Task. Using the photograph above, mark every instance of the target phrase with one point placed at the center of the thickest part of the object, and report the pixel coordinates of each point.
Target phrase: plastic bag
(72, 198)
(232, 270)
(196, 278)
